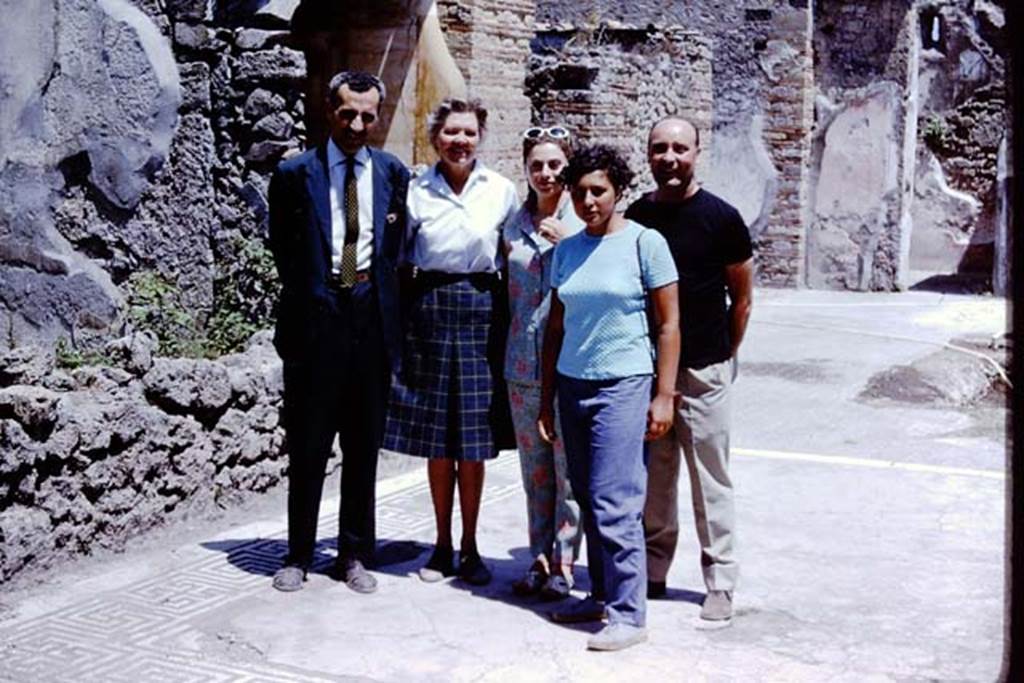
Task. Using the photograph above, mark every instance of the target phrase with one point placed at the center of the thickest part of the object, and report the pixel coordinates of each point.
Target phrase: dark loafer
(355, 576)
(472, 570)
(557, 587)
(289, 579)
(531, 583)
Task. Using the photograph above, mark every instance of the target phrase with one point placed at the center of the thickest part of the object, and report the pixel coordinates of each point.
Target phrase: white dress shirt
(364, 189)
(459, 233)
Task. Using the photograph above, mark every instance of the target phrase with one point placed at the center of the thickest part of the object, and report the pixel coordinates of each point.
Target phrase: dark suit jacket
(300, 240)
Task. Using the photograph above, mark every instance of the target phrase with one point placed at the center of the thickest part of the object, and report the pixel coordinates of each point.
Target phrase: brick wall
(611, 86)
(490, 41)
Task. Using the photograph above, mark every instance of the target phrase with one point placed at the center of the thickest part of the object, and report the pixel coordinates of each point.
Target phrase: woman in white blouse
(442, 402)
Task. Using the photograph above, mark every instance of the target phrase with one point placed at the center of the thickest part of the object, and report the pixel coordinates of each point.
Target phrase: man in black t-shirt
(711, 248)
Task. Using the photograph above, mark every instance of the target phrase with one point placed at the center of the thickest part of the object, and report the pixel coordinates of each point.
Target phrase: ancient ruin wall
(757, 149)
(962, 122)
(611, 86)
(490, 41)
(864, 142)
(138, 163)
(96, 455)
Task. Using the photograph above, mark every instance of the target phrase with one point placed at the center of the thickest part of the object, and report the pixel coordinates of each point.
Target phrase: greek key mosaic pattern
(123, 635)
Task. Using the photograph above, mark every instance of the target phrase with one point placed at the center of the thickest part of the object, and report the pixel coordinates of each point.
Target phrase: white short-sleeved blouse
(459, 233)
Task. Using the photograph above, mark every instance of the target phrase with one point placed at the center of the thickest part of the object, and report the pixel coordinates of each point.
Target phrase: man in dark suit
(337, 224)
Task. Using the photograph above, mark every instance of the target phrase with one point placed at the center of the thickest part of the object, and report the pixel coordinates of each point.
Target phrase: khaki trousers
(701, 432)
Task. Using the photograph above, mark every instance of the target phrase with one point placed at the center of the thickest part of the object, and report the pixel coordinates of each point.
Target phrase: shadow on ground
(264, 556)
(959, 283)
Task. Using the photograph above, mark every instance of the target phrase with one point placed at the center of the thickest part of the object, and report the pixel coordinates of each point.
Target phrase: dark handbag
(501, 410)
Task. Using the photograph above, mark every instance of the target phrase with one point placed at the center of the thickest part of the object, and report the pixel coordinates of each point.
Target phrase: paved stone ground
(871, 542)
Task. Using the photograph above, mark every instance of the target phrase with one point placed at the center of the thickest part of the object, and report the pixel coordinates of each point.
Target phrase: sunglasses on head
(554, 132)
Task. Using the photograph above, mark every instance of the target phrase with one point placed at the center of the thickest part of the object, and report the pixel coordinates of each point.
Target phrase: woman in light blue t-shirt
(599, 358)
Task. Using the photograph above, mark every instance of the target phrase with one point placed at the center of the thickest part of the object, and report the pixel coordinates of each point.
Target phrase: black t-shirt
(705, 234)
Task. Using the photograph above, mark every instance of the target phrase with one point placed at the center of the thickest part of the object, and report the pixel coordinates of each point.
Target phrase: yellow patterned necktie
(348, 251)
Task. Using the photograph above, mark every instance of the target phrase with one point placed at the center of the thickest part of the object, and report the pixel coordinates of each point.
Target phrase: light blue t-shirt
(599, 282)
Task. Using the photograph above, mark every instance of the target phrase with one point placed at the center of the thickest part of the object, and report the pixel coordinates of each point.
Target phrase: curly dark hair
(599, 158)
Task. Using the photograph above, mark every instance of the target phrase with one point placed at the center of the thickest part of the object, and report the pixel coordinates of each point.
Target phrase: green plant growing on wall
(934, 133)
(69, 357)
(154, 304)
(245, 290)
(244, 294)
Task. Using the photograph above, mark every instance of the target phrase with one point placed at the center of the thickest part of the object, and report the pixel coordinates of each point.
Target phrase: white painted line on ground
(847, 304)
(869, 462)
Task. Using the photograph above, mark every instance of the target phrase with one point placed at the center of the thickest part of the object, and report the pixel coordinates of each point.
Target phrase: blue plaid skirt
(442, 403)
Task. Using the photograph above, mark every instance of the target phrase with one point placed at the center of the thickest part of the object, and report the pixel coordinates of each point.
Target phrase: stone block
(280, 65)
(277, 126)
(277, 13)
(194, 387)
(196, 37)
(267, 151)
(195, 87)
(194, 10)
(257, 39)
(34, 408)
(261, 103)
(134, 352)
(24, 536)
(26, 364)
(17, 448)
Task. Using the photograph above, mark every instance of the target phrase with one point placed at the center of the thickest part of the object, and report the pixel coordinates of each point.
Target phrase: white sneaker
(617, 636)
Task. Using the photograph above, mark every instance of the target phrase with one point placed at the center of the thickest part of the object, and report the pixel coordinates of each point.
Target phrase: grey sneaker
(588, 609)
(289, 579)
(717, 606)
(617, 636)
(355, 576)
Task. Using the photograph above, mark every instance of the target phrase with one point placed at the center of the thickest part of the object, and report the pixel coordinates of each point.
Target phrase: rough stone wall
(490, 41)
(757, 149)
(863, 147)
(67, 109)
(962, 123)
(93, 456)
(776, 92)
(143, 152)
(779, 230)
(610, 86)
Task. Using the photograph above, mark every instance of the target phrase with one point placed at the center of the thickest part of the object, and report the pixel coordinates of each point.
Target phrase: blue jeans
(603, 424)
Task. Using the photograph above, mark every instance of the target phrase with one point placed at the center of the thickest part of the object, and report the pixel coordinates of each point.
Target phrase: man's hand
(659, 416)
(739, 280)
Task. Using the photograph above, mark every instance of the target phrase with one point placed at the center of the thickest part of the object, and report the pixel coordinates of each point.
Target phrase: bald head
(677, 125)
(672, 150)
